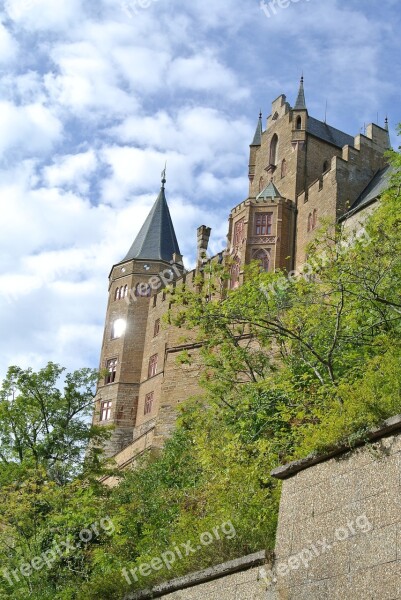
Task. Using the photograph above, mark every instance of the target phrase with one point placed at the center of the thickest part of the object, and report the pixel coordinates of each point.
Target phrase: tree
(43, 426)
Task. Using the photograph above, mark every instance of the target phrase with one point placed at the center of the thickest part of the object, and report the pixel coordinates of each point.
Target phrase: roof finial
(300, 104)
(386, 123)
(164, 180)
(260, 114)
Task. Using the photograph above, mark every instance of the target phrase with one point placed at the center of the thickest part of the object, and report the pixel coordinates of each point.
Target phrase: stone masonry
(301, 171)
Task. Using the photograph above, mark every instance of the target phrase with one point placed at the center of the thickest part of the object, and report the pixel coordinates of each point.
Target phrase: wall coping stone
(199, 577)
(387, 428)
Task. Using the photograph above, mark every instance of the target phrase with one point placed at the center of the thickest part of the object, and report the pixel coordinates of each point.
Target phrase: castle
(301, 170)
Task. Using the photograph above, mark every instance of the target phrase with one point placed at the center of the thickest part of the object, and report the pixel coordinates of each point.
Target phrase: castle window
(143, 290)
(326, 166)
(284, 168)
(148, 403)
(314, 219)
(111, 367)
(263, 223)
(117, 294)
(125, 292)
(156, 330)
(118, 328)
(235, 272)
(239, 232)
(274, 150)
(310, 222)
(154, 300)
(105, 410)
(264, 257)
(299, 123)
(120, 414)
(152, 368)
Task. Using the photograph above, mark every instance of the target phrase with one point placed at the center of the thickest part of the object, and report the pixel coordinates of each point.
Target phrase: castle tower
(153, 260)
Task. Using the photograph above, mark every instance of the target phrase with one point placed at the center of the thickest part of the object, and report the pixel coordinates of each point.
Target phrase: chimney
(203, 242)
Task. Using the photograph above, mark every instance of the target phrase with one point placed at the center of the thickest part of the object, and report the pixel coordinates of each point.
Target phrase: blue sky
(95, 96)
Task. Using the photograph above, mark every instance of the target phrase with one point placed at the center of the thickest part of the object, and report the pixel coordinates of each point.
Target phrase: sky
(95, 96)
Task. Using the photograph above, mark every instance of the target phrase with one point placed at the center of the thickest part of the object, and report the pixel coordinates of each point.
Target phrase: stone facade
(301, 171)
(236, 580)
(340, 523)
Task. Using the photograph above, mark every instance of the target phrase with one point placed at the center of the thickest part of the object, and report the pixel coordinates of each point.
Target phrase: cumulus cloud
(95, 99)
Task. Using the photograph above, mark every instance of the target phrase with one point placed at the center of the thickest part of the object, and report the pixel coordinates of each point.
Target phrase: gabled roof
(270, 191)
(379, 183)
(329, 134)
(156, 239)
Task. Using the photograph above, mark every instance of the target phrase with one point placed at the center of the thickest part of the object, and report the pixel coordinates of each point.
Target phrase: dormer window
(299, 123)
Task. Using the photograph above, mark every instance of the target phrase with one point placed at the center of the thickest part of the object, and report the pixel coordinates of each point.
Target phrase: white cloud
(72, 171)
(31, 129)
(37, 15)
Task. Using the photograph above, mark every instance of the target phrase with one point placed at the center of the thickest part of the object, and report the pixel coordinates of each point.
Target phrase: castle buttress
(301, 170)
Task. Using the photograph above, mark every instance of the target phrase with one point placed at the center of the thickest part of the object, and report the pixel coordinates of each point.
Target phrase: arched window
(261, 184)
(299, 123)
(283, 168)
(326, 166)
(314, 219)
(274, 150)
(264, 257)
(117, 294)
(235, 271)
(143, 290)
(310, 222)
(125, 291)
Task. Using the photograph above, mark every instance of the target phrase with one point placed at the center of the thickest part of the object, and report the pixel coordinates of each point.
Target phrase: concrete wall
(339, 532)
(236, 580)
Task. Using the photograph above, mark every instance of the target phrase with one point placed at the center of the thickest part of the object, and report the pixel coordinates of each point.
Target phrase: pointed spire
(257, 140)
(156, 240)
(300, 104)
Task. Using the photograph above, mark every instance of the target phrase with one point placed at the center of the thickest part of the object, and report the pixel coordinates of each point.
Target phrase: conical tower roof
(156, 239)
(300, 104)
(257, 140)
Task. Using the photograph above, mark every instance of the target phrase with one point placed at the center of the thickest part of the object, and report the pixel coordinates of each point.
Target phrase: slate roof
(329, 134)
(156, 239)
(300, 104)
(257, 140)
(379, 183)
(270, 191)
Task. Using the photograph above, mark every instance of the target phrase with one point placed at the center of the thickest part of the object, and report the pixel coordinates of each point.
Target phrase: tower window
(105, 410)
(310, 222)
(283, 168)
(239, 232)
(148, 403)
(152, 368)
(264, 257)
(156, 330)
(117, 294)
(118, 328)
(299, 123)
(326, 166)
(235, 272)
(111, 367)
(314, 219)
(143, 290)
(263, 223)
(274, 150)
